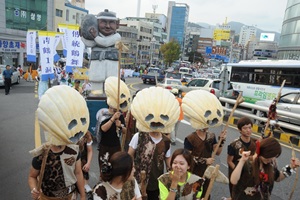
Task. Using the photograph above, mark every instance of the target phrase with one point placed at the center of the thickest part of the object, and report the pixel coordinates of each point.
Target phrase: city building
(289, 43)
(178, 14)
(150, 36)
(257, 49)
(246, 34)
(19, 16)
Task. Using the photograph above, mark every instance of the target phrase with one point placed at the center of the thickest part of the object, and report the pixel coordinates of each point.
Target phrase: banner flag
(46, 43)
(63, 29)
(31, 46)
(75, 48)
(57, 39)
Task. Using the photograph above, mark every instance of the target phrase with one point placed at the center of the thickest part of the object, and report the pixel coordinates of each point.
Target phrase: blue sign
(208, 50)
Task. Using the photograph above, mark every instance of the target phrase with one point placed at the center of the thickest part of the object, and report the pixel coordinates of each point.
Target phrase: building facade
(246, 34)
(178, 14)
(289, 43)
(16, 17)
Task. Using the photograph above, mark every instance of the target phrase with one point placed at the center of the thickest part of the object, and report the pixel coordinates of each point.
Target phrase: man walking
(7, 74)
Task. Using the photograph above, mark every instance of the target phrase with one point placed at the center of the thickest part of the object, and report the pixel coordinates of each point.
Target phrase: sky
(264, 14)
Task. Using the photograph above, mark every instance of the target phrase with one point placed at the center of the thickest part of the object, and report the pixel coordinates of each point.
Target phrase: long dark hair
(268, 148)
(121, 164)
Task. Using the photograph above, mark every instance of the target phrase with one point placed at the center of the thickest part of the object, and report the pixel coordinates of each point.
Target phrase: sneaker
(173, 143)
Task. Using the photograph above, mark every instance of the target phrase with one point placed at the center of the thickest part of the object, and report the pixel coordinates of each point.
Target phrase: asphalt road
(17, 138)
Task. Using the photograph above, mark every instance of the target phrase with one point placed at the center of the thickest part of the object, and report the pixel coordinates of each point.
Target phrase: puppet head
(111, 91)
(108, 23)
(63, 114)
(203, 109)
(155, 110)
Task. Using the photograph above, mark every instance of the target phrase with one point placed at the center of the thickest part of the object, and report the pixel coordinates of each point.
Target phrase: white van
(185, 70)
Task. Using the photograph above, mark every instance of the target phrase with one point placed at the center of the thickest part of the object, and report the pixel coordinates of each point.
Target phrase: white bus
(261, 79)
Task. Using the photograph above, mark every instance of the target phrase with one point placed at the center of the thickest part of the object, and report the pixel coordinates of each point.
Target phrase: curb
(281, 136)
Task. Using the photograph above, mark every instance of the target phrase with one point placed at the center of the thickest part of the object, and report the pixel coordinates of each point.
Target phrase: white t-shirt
(135, 139)
(137, 191)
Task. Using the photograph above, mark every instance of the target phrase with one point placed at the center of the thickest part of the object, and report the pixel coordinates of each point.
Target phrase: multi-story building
(256, 49)
(289, 43)
(246, 34)
(150, 36)
(19, 16)
(178, 14)
(129, 36)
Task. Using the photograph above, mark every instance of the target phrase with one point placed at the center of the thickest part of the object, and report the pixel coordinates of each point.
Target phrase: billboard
(221, 34)
(267, 37)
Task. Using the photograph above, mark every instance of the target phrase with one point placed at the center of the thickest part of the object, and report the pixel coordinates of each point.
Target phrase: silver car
(210, 85)
(289, 102)
(14, 79)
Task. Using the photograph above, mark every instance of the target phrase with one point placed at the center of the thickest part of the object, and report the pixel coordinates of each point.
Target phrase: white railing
(257, 117)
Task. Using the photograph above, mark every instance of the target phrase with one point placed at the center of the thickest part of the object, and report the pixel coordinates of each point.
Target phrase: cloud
(266, 15)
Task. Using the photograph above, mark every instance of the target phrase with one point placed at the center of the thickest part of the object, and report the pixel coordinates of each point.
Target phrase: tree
(195, 56)
(170, 52)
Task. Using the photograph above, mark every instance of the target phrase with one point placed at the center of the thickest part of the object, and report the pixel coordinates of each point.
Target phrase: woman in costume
(179, 183)
(115, 171)
(64, 117)
(254, 180)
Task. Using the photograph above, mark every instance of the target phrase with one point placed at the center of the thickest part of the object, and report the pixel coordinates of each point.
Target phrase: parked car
(153, 75)
(210, 85)
(169, 83)
(289, 102)
(15, 79)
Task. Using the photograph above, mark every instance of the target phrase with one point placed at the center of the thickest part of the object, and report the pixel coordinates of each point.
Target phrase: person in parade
(99, 33)
(86, 151)
(56, 166)
(254, 179)
(174, 133)
(7, 74)
(77, 86)
(201, 143)
(42, 85)
(130, 125)
(244, 142)
(112, 126)
(115, 171)
(149, 147)
(179, 183)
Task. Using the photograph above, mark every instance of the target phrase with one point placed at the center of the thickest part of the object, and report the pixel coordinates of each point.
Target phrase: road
(17, 138)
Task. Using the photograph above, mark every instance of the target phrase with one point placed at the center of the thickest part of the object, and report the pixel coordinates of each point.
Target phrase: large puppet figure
(56, 167)
(99, 33)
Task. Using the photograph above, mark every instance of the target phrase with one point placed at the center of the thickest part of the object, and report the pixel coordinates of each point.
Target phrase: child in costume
(115, 171)
(254, 180)
(149, 147)
(56, 166)
(201, 143)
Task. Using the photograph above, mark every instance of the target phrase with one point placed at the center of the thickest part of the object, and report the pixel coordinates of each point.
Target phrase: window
(67, 15)
(59, 13)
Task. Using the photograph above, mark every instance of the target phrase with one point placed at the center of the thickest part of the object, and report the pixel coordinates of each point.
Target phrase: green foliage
(170, 52)
(195, 57)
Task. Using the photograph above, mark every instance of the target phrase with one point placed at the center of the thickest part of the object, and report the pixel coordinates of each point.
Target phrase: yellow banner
(47, 33)
(221, 34)
(81, 73)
